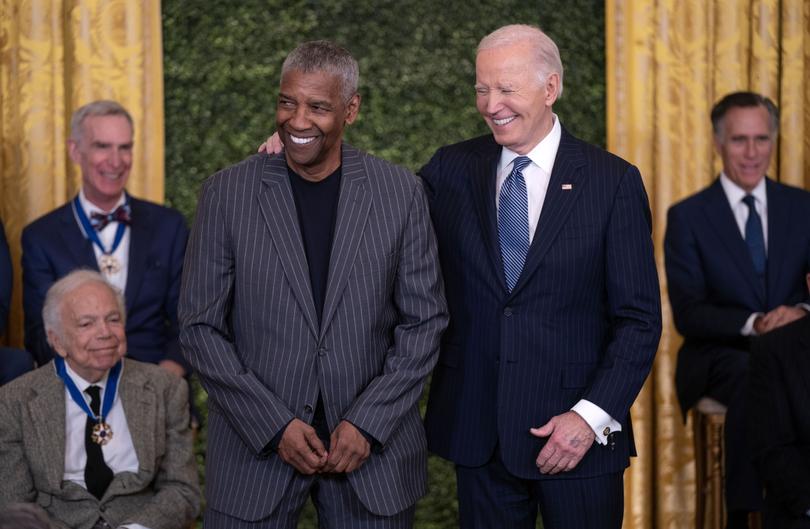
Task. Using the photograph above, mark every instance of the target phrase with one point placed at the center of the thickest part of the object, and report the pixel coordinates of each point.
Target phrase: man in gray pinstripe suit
(312, 308)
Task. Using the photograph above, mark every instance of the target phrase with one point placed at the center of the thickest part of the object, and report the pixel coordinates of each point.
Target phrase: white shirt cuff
(133, 526)
(598, 419)
(806, 308)
(748, 328)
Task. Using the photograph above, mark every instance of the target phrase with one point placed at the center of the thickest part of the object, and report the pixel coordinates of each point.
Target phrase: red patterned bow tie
(120, 214)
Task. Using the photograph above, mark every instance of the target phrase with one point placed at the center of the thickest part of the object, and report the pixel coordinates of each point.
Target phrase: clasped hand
(781, 315)
(301, 447)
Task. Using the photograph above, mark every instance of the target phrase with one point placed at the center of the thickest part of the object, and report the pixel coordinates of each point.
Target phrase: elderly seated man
(97, 440)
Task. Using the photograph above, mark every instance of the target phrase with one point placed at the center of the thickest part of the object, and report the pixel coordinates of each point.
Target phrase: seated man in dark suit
(779, 422)
(736, 256)
(137, 245)
(13, 362)
(97, 441)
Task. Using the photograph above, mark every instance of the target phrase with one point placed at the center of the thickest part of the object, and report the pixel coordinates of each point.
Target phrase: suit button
(507, 311)
(322, 350)
(102, 508)
(307, 409)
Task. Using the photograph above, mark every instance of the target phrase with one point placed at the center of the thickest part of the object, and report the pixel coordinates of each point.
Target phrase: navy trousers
(489, 497)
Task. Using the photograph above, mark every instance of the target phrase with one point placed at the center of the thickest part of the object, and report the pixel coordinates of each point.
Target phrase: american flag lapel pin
(567, 187)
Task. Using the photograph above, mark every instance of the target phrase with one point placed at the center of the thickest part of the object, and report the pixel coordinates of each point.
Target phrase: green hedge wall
(222, 61)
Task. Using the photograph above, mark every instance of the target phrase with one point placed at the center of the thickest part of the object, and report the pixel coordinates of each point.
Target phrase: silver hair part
(325, 56)
(546, 53)
(101, 107)
(52, 308)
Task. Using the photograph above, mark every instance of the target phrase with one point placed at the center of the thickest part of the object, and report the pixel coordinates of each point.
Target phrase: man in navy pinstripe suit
(541, 362)
(312, 308)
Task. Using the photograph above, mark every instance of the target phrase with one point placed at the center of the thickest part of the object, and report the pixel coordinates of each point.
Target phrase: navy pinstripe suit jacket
(249, 327)
(583, 320)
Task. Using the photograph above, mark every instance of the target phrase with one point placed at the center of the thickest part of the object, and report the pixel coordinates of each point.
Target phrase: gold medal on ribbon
(109, 264)
(102, 433)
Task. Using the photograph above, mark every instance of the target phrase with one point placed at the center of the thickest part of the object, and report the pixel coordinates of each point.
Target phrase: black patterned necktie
(97, 475)
(755, 237)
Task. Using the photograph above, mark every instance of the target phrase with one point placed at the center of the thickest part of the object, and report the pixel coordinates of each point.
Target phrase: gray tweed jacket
(164, 494)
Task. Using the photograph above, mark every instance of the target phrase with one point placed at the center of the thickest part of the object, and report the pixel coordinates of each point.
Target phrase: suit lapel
(278, 208)
(718, 212)
(138, 400)
(140, 233)
(483, 181)
(778, 230)
(72, 237)
(354, 203)
(47, 412)
(557, 204)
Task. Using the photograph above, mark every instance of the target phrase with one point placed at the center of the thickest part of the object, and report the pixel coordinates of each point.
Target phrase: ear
(352, 109)
(73, 150)
(552, 86)
(56, 343)
(718, 143)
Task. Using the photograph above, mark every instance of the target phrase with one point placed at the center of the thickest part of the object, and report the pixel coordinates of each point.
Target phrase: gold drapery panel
(667, 63)
(56, 55)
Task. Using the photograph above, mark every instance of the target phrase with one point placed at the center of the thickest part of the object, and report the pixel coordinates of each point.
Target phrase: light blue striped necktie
(513, 222)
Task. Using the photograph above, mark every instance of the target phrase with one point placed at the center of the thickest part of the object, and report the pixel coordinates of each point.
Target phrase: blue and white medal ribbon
(102, 433)
(107, 263)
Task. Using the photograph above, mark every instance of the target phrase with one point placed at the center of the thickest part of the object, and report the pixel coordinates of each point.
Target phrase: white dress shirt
(735, 195)
(107, 236)
(537, 176)
(119, 453)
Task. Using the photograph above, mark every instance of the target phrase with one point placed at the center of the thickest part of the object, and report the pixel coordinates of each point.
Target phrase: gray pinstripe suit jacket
(249, 327)
(164, 494)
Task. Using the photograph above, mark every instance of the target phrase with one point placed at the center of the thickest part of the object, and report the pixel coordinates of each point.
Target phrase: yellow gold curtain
(667, 62)
(55, 56)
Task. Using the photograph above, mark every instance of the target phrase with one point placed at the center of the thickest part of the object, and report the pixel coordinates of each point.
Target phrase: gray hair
(743, 100)
(546, 53)
(325, 56)
(101, 107)
(52, 308)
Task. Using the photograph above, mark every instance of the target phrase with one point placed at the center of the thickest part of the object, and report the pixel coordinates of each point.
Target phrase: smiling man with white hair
(97, 440)
(553, 295)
